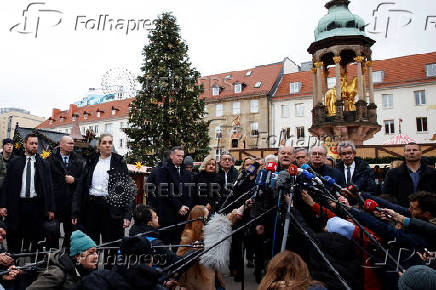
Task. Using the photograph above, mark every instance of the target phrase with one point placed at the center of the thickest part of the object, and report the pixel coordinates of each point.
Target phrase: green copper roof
(339, 21)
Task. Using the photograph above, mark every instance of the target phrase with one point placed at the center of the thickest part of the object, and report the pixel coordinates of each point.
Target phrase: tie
(178, 170)
(348, 175)
(28, 176)
(66, 161)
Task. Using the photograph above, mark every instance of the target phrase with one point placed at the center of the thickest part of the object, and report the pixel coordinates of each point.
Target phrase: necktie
(28, 176)
(66, 161)
(348, 175)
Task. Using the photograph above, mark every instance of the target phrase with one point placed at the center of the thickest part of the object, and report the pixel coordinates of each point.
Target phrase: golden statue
(348, 92)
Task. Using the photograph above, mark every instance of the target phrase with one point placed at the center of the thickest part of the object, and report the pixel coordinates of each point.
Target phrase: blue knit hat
(418, 277)
(340, 226)
(80, 243)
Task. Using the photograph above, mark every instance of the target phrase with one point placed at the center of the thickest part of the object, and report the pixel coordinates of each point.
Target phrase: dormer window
(215, 91)
(430, 70)
(114, 110)
(294, 88)
(248, 73)
(378, 76)
(238, 88)
(61, 119)
(85, 115)
(98, 114)
(74, 117)
(228, 77)
(50, 121)
(258, 84)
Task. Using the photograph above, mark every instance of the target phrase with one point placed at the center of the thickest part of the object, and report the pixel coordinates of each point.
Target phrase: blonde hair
(206, 161)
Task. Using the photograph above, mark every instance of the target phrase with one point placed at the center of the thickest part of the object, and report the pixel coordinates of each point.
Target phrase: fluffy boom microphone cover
(215, 230)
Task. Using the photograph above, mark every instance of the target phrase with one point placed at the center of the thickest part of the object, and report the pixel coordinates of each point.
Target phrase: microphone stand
(288, 215)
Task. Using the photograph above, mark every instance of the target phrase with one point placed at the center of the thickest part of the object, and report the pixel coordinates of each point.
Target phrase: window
(219, 110)
(83, 130)
(247, 74)
(284, 111)
(254, 129)
(217, 155)
(238, 88)
(300, 132)
(61, 119)
(50, 121)
(378, 76)
(288, 133)
(387, 101)
(294, 88)
(218, 133)
(331, 82)
(228, 77)
(430, 70)
(299, 110)
(121, 143)
(122, 125)
(96, 129)
(108, 128)
(421, 124)
(114, 111)
(74, 118)
(235, 143)
(258, 84)
(254, 106)
(215, 91)
(389, 127)
(98, 114)
(236, 108)
(419, 97)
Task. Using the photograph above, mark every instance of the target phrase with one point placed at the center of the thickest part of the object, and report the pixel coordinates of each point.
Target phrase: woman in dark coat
(207, 184)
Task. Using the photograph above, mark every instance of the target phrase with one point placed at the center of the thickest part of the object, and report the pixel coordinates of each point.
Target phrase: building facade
(110, 117)
(9, 117)
(404, 92)
(238, 105)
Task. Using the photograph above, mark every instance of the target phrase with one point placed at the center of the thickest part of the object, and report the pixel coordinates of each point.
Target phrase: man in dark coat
(174, 195)
(354, 170)
(66, 170)
(412, 176)
(100, 210)
(227, 171)
(27, 199)
(5, 157)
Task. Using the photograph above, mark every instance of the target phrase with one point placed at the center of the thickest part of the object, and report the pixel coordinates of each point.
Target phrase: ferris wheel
(119, 81)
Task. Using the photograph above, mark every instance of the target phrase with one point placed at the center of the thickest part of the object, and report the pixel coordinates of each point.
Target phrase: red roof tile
(398, 71)
(267, 74)
(122, 107)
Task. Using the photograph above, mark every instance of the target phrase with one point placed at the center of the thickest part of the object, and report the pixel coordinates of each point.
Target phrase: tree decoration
(45, 154)
(168, 100)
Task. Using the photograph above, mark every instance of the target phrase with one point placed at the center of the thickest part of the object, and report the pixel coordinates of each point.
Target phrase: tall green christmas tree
(167, 111)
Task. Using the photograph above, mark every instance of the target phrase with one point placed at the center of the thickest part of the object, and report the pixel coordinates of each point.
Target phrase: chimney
(55, 112)
(72, 110)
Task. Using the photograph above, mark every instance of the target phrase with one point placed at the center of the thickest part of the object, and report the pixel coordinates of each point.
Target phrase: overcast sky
(57, 67)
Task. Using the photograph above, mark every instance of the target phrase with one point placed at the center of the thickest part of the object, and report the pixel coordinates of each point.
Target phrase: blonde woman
(207, 189)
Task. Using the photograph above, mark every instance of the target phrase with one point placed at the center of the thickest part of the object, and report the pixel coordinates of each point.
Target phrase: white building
(405, 95)
(110, 117)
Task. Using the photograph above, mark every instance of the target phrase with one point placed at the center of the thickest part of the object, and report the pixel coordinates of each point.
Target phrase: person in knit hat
(65, 270)
(418, 277)
(189, 163)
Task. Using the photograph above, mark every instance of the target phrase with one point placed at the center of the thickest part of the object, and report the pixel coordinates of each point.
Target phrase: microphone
(294, 170)
(244, 173)
(371, 206)
(260, 183)
(331, 181)
(316, 177)
(271, 167)
(282, 180)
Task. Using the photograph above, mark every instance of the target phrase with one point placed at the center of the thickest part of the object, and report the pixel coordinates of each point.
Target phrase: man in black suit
(27, 199)
(355, 170)
(174, 190)
(318, 156)
(66, 170)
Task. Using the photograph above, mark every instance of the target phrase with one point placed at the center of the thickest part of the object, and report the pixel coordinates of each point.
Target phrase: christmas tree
(167, 111)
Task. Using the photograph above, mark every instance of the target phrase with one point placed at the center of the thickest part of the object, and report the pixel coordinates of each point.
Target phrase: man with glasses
(227, 172)
(354, 169)
(318, 156)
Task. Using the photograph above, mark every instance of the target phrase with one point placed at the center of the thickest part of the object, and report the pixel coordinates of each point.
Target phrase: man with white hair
(318, 156)
(66, 171)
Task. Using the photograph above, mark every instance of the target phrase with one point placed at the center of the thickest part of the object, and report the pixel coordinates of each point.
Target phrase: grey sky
(58, 66)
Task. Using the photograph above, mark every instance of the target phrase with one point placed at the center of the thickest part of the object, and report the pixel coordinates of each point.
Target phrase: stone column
(337, 60)
(370, 82)
(361, 109)
(318, 66)
(315, 89)
(359, 60)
